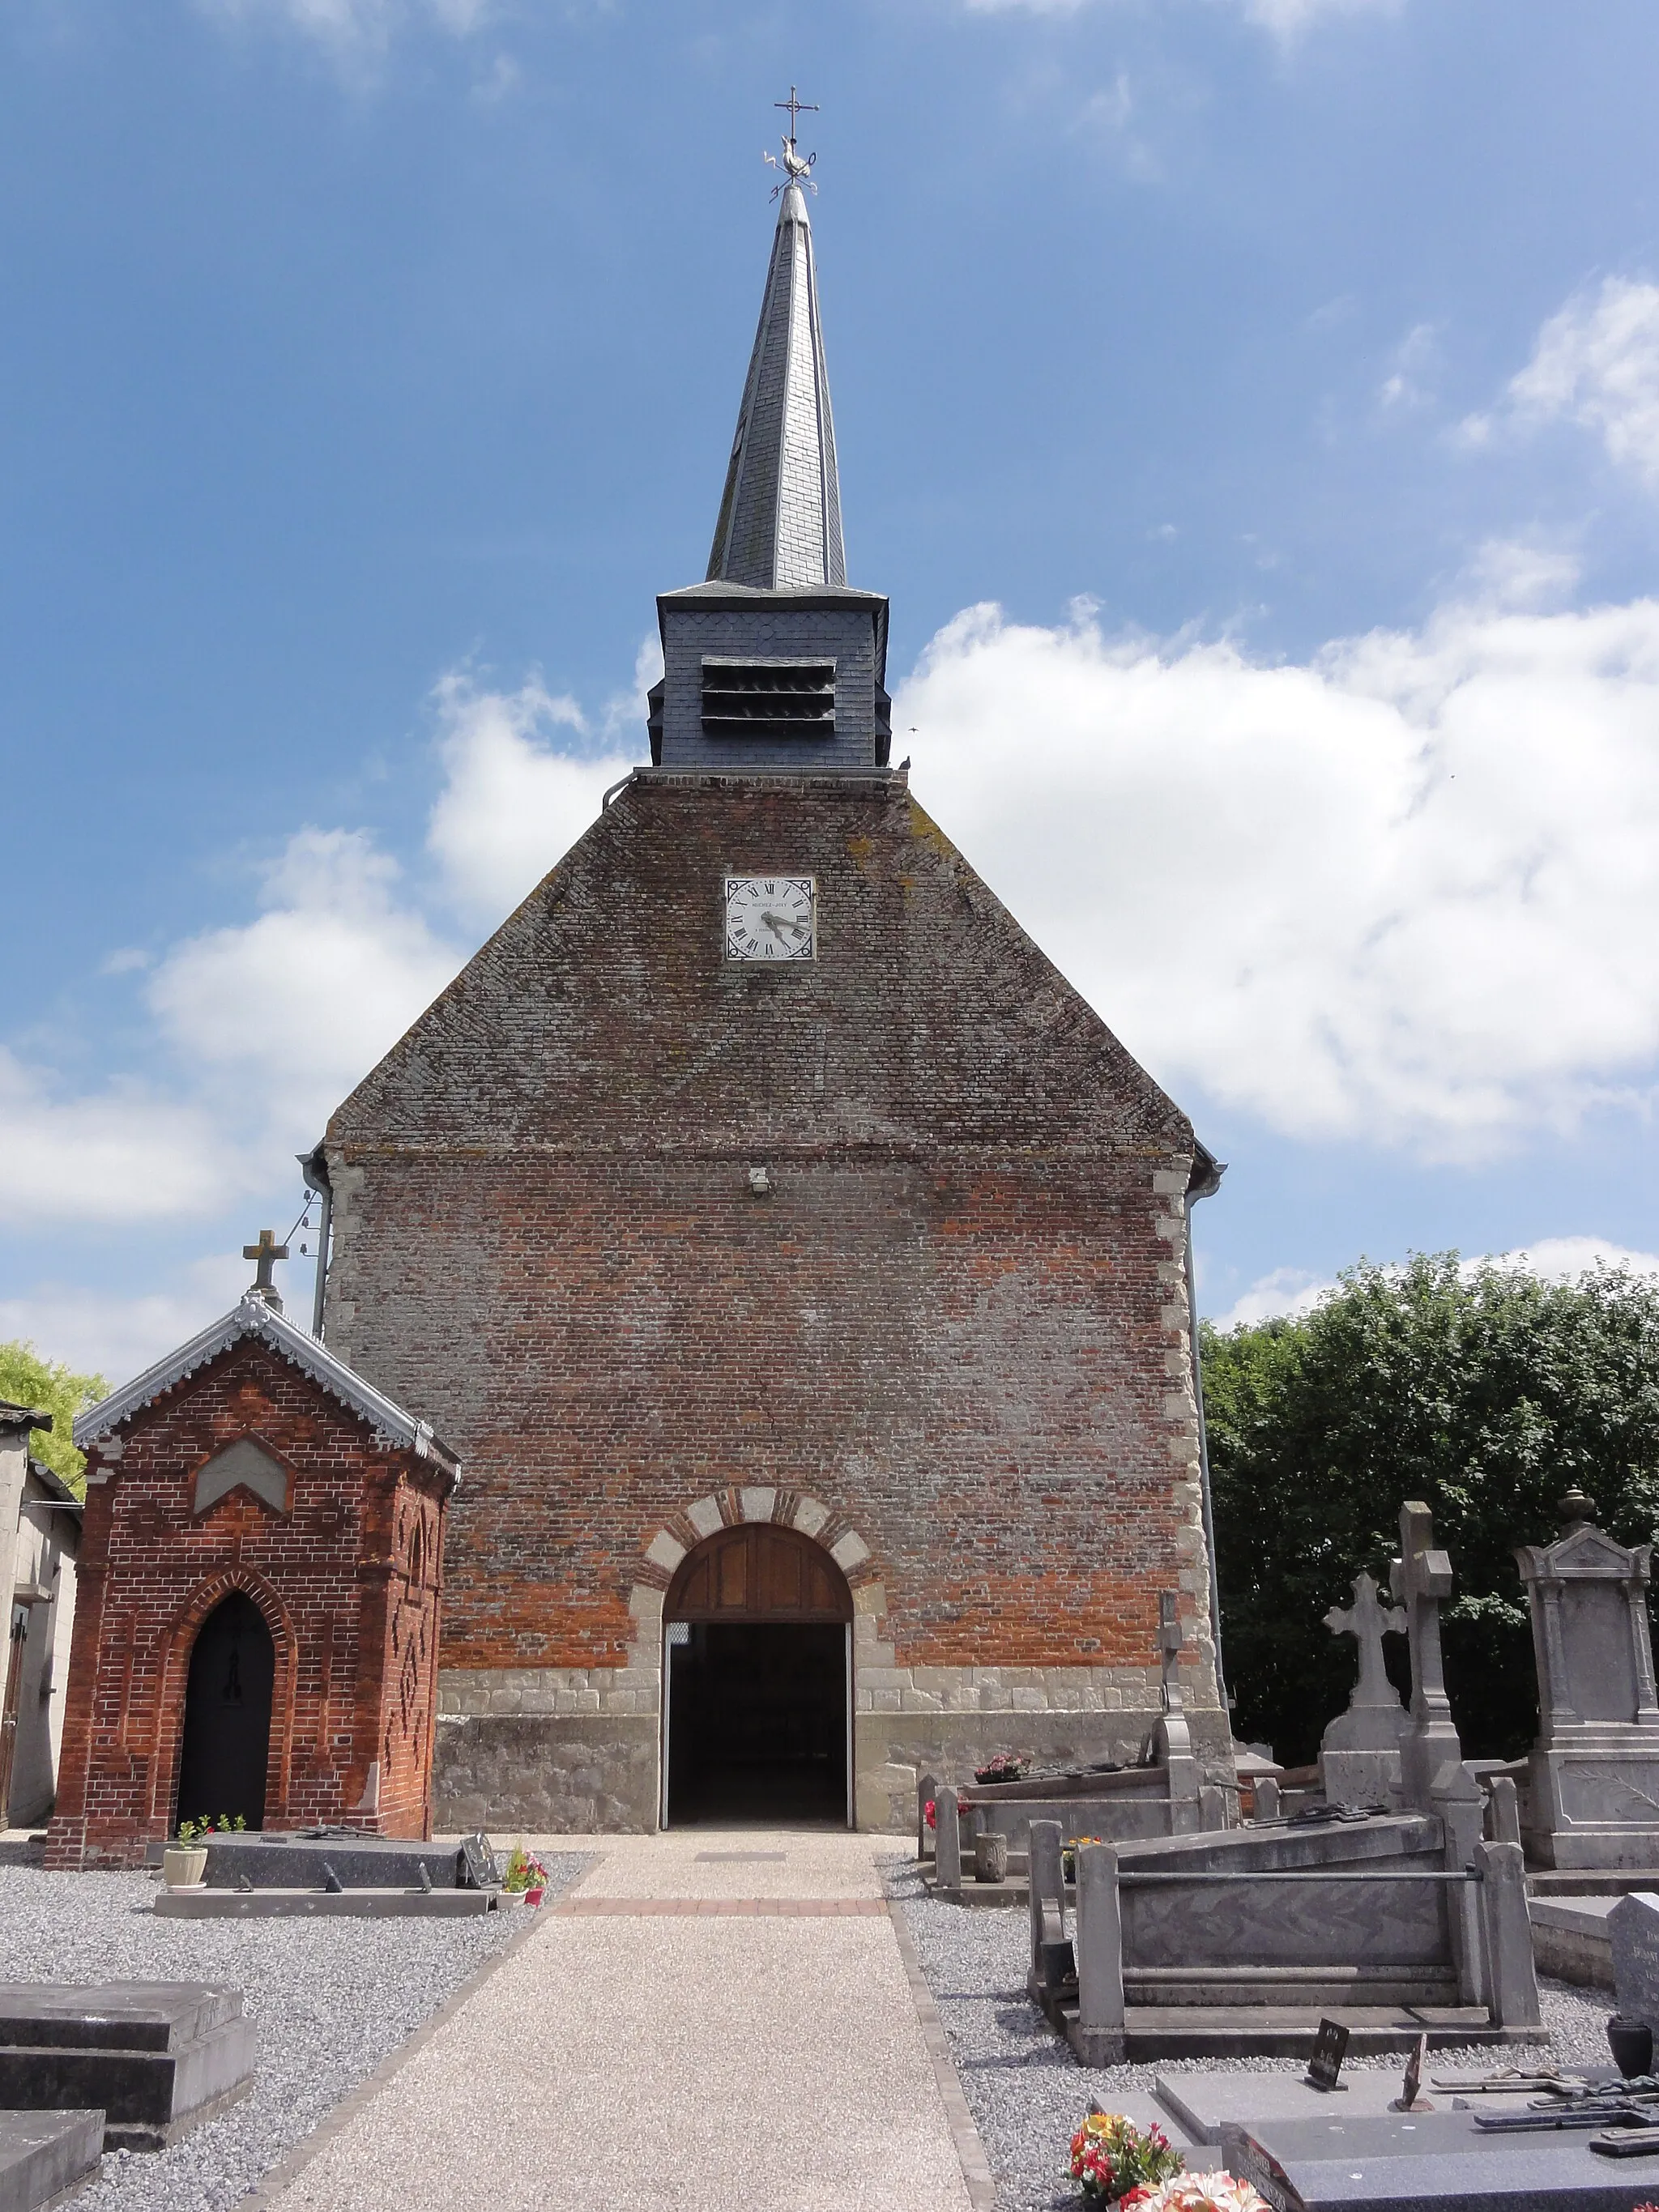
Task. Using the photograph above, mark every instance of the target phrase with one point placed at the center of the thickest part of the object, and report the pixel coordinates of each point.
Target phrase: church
(795, 1268)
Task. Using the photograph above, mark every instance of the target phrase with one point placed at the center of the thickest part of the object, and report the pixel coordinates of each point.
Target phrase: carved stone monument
(1172, 1740)
(1593, 1800)
(1359, 1751)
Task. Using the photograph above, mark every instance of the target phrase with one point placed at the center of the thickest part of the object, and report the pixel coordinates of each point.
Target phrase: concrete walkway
(684, 2029)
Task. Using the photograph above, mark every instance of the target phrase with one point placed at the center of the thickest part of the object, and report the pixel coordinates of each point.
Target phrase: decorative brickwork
(948, 1327)
(336, 1534)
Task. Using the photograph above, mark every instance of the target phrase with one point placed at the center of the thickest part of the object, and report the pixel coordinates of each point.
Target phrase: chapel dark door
(757, 1632)
(227, 1741)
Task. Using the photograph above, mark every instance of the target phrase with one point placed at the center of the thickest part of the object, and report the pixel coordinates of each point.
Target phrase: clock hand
(779, 922)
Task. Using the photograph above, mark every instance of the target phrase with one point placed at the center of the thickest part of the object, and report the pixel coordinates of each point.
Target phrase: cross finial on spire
(796, 168)
(267, 1252)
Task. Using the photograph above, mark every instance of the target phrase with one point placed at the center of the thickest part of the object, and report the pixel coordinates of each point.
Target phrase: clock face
(771, 917)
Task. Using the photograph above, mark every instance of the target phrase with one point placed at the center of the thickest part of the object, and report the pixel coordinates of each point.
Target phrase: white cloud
(1564, 1259)
(1286, 19)
(1408, 383)
(1284, 1292)
(513, 803)
(101, 1333)
(359, 26)
(268, 1024)
(1404, 894)
(301, 1002)
(125, 1154)
(1292, 1290)
(1595, 363)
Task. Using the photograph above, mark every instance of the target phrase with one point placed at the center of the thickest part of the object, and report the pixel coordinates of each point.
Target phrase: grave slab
(326, 1904)
(1453, 2173)
(292, 1861)
(1206, 2104)
(42, 2154)
(158, 2057)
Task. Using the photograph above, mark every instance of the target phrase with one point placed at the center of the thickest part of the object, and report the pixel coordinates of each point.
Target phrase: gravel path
(332, 1999)
(1027, 2092)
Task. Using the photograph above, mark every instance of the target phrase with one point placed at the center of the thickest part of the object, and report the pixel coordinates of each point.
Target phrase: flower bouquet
(1197, 2193)
(1111, 2157)
(526, 1877)
(1068, 1855)
(1006, 1766)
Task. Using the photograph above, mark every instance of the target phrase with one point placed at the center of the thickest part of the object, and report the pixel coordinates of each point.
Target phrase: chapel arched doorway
(758, 1680)
(227, 1739)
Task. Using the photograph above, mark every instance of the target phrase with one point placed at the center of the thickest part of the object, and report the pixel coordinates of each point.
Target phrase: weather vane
(796, 170)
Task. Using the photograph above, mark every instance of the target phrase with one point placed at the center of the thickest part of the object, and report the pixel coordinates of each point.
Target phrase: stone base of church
(546, 1774)
(570, 1773)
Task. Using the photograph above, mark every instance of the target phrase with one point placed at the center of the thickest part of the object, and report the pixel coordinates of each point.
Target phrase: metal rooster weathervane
(797, 170)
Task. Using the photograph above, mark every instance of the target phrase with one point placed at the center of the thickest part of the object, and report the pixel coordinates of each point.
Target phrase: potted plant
(1111, 2156)
(526, 1877)
(184, 1859)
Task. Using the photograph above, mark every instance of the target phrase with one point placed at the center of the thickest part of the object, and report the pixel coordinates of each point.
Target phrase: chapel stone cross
(1368, 1623)
(267, 1252)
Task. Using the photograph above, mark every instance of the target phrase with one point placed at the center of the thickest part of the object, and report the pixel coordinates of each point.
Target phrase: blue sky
(1251, 407)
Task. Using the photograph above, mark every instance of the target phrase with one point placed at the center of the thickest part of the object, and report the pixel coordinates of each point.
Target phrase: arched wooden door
(757, 1690)
(227, 1740)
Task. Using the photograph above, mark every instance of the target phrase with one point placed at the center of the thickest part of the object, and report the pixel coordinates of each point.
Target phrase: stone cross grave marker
(1431, 1757)
(1359, 1751)
(1633, 1924)
(1172, 1738)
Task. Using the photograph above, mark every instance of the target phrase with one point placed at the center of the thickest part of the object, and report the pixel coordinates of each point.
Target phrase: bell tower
(773, 663)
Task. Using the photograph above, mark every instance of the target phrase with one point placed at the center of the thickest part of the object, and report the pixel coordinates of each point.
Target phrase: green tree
(1488, 1393)
(27, 1379)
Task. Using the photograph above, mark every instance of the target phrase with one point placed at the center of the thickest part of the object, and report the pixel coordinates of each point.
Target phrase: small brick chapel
(256, 1632)
(797, 1262)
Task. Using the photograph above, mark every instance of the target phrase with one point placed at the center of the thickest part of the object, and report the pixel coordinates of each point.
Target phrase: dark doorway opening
(757, 1722)
(758, 1636)
(227, 1742)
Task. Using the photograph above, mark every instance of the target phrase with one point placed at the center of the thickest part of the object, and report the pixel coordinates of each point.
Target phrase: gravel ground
(1027, 2092)
(332, 1999)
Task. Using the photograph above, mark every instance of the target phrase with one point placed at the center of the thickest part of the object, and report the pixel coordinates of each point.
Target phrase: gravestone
(1593, 1799)
(1433, 1777)
(1172, 1740)
(1633, 1925)
(1360, 1758)
(1330, 2048)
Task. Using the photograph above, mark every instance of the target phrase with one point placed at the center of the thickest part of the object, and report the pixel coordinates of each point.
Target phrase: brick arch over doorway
(669, 1547)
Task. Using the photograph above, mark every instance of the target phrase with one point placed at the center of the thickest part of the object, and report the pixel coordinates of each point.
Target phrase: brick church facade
(796, 1262)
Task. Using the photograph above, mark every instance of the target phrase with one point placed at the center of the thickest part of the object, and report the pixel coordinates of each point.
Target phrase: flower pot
(1631, 2042)
(533, 1896)
(991, 1857)
(184, 1865)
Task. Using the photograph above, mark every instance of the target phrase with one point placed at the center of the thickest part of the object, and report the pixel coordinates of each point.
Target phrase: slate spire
(779, 520)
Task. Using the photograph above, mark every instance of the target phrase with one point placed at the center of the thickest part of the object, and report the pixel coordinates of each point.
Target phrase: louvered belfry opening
(768, 698)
